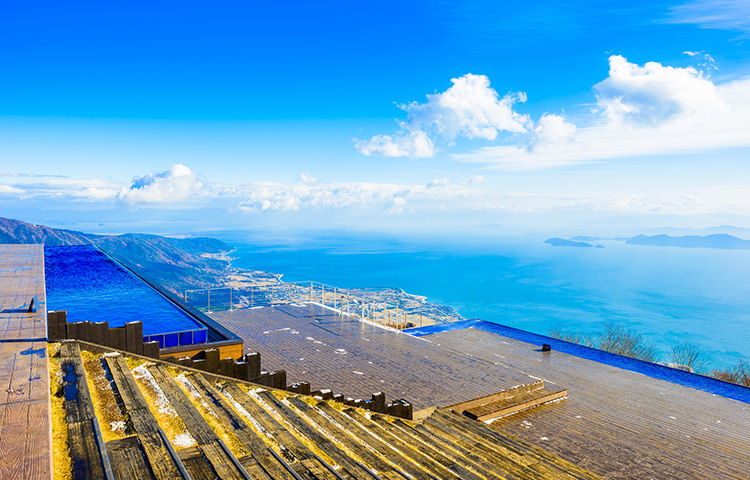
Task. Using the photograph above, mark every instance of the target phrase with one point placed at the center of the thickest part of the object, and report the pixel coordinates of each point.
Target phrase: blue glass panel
(186, 338)
(200, 336)
(171, 340)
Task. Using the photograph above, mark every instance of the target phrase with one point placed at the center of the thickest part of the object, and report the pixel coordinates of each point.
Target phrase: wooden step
(362, 434)
(508, 401)
(349, 468)
(258, 449)
(128, 459)
(370, 458)
(221, 459)
(88, 456)
(164, 465)
(310, 461)
(420, 456)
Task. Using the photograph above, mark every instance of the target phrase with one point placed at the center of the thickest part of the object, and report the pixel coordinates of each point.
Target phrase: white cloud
(641, 110)
(552, 129)
(174, 185)
(276, 196)
(470, 108)
(7, 189)
(414, 144)
(308, 179)
(654, 93)
(714, 14)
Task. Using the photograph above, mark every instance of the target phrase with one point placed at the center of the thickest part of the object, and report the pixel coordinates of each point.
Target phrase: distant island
(561, 242)
(719, 240)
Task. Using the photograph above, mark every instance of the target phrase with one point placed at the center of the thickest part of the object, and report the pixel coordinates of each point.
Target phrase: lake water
(667, 294)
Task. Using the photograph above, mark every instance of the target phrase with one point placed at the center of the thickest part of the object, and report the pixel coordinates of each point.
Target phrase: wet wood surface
(616, 423)
(25, 426)
(357, 359)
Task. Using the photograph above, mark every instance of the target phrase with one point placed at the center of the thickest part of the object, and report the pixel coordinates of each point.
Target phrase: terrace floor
(25, 435)
(616, 423)
(358, 359)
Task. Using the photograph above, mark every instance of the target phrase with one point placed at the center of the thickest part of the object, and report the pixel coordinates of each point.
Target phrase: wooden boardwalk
(25, 426)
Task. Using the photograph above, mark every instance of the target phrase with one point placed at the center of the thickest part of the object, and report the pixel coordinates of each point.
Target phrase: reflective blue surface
(92, 287)
(687, 379)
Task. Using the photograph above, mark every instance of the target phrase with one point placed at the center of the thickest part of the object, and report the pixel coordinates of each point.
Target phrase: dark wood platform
(616, 423)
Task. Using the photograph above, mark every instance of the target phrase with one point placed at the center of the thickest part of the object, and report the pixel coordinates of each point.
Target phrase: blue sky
(554, 117)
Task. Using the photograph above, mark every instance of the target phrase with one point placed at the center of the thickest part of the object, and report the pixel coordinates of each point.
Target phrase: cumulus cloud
(651, 109)
(174, 185)
(654, 93)
(470, 108)
(552, 129)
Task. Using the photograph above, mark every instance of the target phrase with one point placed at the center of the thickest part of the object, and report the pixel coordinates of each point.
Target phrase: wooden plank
(494, 397)
(434, 454)
(128, 459)
(231, 419)
(79, 412)
(451, 450)
(401, 461)
(421, 457)
(196, 464)
(506, 446)
(145, 424)
(514, 404)
(349, 468)
(279, 432)
(208, 440)
(371, 459)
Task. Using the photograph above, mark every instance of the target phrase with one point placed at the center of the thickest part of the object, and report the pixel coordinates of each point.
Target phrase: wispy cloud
(652, 109)
(716, 14)
(177, 184)
(470, 108)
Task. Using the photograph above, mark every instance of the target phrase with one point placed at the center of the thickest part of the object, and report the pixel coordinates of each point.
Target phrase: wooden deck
(284, 435)
(616, 423)
(25, 425)
(356, 359)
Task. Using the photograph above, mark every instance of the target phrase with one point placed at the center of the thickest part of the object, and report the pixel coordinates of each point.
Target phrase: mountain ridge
(176, 264)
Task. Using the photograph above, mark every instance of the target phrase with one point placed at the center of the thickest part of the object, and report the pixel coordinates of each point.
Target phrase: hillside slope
(176, 264)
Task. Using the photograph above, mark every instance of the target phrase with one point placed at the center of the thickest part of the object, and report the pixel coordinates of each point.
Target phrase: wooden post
(253, 361)
(212, 360)
(134, 337)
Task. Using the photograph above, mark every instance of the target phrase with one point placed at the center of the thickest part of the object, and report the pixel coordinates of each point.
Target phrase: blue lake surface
(92, 287)
(669, 295)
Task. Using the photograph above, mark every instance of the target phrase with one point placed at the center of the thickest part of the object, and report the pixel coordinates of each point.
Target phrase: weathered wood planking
(358, 359)
(25, 425)
(280, 433)
(145, 424)
(451, 450)
(616, 423)
(371, 459)
(361, 434)
(254, 444)
(349, 468)
(432, 453)
(208, 441)
(79, 414)
(128, 459)
(507, 446)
